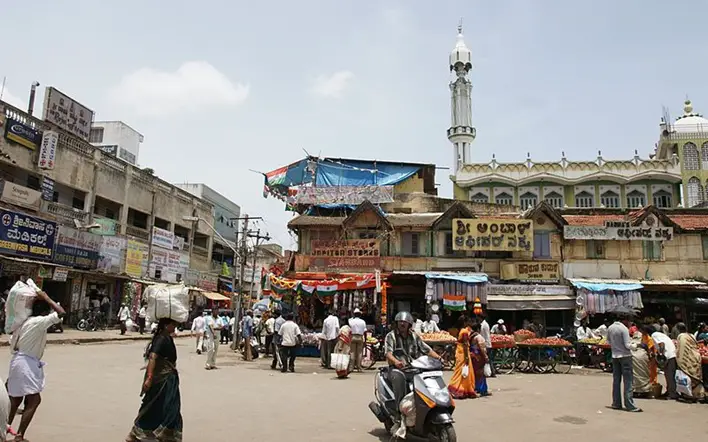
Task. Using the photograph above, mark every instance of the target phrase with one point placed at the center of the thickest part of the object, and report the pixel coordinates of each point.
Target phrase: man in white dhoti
(26, 378)
(212, 326)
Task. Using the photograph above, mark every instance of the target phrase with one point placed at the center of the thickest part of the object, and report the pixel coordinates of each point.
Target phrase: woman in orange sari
(462, 383)
(648, 343)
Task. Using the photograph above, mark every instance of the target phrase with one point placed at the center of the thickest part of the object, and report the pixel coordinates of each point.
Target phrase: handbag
(487, 370)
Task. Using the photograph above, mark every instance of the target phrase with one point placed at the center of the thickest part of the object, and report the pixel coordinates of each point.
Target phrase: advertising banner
(503, 235)
(21, 134)
(48, 150)
(108, 226)
(66, 113)
(20, 196)
(611, 232)
(349, 248)
(111, 255)
(170, 264)
(537, 271)
(25, 235)
(163, 238)
(136, 258)
(76, 248)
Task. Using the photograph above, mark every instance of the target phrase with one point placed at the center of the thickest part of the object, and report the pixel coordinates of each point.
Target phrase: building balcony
(64, 213)
(137, 232)
(200, 251)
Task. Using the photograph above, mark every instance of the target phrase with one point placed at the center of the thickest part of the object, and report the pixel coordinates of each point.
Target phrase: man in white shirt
(212, 327)
(279, 321)
(486, 333)
(430, 326)
(330, 333)
(269, 327)
(142, 314)
(291, 338)
(358, 327)
(418, 324)
(198, 331)
(665, 346)
(26, 378)
(601, 331)
(499, 328)
(123, 316)
(584, 332)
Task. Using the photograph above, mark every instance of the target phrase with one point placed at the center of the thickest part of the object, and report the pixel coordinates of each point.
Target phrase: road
(92, 394)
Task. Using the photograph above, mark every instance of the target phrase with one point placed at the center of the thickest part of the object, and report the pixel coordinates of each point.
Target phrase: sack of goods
(19, 304)
(167, 301)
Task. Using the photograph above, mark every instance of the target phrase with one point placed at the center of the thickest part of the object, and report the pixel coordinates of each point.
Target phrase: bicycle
(373, 352)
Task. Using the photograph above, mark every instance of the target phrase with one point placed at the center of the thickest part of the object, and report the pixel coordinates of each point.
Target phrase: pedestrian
(123, 316)
(4, 411)
(26, 378)
(418, 323)
(258, 328)
(278, 323)
(224, 337)
(105, 305)
(358, 327)
(462, 384)
(343, 347)
(664, 328)
(480, 359)
(688, 360)
(291, 339)
(269, 330)
(142, 315)
(665, 347)
(159, 417)
(620, 344)
(486, 334)
(212, 325)
(330, 333)
(247, 333)
(198, 330)
(430, 326)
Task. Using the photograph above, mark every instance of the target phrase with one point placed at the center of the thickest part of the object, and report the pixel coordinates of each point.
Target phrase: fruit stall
(504, 353)
(524, 352)
(599, 352)
(444, 344)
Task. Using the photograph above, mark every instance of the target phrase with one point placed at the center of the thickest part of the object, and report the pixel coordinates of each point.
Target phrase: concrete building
(118, 139)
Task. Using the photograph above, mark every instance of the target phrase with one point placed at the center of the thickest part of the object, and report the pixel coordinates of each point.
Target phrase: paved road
(92, 394)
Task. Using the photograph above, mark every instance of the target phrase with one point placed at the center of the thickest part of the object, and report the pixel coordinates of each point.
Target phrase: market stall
(601, 297)
(444, 344)
(599, 351)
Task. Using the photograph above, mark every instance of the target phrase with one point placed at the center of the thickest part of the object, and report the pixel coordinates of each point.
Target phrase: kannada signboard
(21, 134)
(619, 231)
(66, 113)
(136, 258)
(26, 235)
(172, 265)
(208, 282)
(353, 195)
(75, 248)
(163, 238)
(111, 255)
(20, 195)
(48, 150)
(349, 248)
(343, 262)
(504, 235)
(537, 271)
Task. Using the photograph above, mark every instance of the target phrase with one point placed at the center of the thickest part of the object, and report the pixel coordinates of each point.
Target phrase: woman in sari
(343, 346)
(159, 418)
(462, 383)
(688, 359)
(641, 372)
(650, 347)
(478, 351)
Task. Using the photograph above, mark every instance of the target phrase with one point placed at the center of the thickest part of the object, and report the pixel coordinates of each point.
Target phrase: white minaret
(461, 133)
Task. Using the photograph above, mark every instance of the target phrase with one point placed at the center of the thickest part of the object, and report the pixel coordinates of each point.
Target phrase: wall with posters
(26, 235)
(111, 254)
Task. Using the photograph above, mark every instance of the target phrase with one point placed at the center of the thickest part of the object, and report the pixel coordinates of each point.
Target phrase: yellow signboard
(537, 271)
(136, 256)
(503, 235)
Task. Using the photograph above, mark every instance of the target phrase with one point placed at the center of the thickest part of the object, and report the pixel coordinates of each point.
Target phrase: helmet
(404, 316)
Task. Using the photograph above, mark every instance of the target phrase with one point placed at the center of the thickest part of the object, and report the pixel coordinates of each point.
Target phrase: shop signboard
(108, 226)
(344, 262)
(26, 235)
(527, 289)
(60, 274)
(48, 150)
(620, 231)
(170, 264)
(208, 282)
(537, 271)
(20, 195)
(111, 255)
(503, 235)
(66, 113)
(350, 248)
(136, 258)
(21, 133)
(163, 238)
(77, 248)
(47, 189)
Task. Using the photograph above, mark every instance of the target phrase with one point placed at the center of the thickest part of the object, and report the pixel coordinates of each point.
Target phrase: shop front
(597, 299)
(549, 305)
(675, 301)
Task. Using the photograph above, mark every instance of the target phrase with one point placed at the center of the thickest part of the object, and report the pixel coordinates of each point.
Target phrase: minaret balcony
(462, 130)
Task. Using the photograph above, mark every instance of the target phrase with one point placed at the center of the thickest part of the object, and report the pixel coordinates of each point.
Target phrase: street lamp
(235, 304)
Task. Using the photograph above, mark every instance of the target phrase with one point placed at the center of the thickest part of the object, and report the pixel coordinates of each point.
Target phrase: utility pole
(238, 299)
(258, 237)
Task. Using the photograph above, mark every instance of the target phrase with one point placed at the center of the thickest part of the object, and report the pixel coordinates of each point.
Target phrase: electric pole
(258, 237)
(238, 298)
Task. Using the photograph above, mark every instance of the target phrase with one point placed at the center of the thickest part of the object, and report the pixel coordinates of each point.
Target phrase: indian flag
(277, 176)
(454, 302)
(327, 289)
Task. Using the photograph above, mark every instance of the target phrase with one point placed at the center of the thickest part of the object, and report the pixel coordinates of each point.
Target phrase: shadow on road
(381, 434)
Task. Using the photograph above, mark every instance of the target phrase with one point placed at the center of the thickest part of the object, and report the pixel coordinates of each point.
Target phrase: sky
(222, 87)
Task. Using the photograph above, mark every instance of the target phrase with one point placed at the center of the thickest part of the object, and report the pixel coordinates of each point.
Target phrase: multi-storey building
(118, 139)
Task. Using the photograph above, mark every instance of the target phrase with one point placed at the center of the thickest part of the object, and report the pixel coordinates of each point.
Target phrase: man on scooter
(403, 339)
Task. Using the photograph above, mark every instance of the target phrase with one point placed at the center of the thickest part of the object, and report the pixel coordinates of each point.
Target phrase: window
(595, 249)
(652, 250)
(690, 157)
(479, 197)
(704, 155)
(555, 200)
(33, 182)
(411, 244)
(527, 200)
(448, 244)
(77, 203)
(636, 199)
(610, 200)
(695, 192)
(55, 197)
(110, 213)
(662, 199)
(704, 239)
(96, 135)
(542, 245)
(368, 235)
(504, 199)
(584, 199)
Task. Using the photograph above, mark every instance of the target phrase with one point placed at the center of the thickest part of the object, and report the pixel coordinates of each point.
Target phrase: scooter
(432, 404)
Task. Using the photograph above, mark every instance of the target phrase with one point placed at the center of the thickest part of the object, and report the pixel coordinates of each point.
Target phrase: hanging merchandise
(608, 301)
(477, 310)
(384, 305)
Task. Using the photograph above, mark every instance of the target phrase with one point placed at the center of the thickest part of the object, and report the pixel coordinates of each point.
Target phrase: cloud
(195, 86)
(332, 86)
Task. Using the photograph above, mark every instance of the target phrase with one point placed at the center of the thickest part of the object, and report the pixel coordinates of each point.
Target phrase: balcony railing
(137, 232)
(200, 251)
(65, 213)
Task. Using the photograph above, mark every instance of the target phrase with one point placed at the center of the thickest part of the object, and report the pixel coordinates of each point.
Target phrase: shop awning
(542, 302)
(215, 296)
(599, 285)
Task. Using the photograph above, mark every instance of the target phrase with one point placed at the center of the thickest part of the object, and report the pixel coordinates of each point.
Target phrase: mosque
(674, 175)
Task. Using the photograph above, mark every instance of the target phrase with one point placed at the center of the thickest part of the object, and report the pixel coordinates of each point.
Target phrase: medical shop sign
(25, 235)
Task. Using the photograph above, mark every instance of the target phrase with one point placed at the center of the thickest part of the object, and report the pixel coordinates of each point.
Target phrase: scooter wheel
(445, 433)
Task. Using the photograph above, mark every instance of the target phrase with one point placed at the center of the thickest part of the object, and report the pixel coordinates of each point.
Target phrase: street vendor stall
(444, 344)
(600, 352)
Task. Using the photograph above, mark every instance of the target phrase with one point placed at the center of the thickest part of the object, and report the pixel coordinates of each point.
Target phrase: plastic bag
(407, 407)
(167, 301)
(19, 304)
(683, 384)
(465, 371)
(487, 369)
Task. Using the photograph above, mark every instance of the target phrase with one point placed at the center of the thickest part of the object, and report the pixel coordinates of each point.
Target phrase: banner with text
(136, 258)
(75, 248)
(172, 265)
(346, 248)
(621, 231)
(163, 238)
(505, 235)
(26, 235)
(111, 255)
(537, 271)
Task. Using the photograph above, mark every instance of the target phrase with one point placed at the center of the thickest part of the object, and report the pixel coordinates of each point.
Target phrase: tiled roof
(592, 220)
(412, 219)
(307, 220)
(691, 222)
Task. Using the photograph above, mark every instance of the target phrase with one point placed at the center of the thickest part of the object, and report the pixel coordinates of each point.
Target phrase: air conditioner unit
(508, 271)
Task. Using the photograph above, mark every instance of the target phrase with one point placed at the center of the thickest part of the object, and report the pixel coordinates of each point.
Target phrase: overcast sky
(221, 87)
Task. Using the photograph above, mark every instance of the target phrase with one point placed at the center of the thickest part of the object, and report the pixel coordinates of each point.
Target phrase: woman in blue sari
(478, 352)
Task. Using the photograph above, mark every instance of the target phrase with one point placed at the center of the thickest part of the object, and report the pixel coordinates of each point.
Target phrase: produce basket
(522, 335)
(503, 341)
(440, 338)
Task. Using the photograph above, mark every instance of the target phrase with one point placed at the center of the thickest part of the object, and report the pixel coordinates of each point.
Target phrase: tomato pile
(442, 336)
(547, 342)
(703, 350)
(502, 341)
(527, 333)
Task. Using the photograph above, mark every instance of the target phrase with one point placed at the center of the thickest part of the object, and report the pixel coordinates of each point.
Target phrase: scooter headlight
(442, 396)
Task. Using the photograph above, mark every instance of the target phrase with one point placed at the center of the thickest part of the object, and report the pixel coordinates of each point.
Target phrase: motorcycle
(428, 401)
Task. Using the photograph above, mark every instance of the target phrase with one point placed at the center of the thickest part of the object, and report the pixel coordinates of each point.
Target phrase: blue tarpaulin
(603, 287)
(361, 173)
(470, 279)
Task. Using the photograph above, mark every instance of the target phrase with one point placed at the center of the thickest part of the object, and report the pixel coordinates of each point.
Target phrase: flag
(454, 302)
(327, 289)
(277, 176)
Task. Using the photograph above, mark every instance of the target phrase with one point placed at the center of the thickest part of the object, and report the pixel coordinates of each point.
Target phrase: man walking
(291, 338)
(277, 324)
(247, 333)
(269, 326)
(486, 333)
(26, 378)
(330, 333)
(358, 327)
(212, 325)
(198, 331)
(666, 347)
(618, 338)
(123, 316)
(142, 314)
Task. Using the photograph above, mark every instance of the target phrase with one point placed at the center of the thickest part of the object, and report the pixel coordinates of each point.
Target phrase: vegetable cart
(446, 350)
(504, 357)
(543, 357)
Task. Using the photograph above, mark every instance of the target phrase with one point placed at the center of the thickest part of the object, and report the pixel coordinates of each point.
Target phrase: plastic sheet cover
(361, 173)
